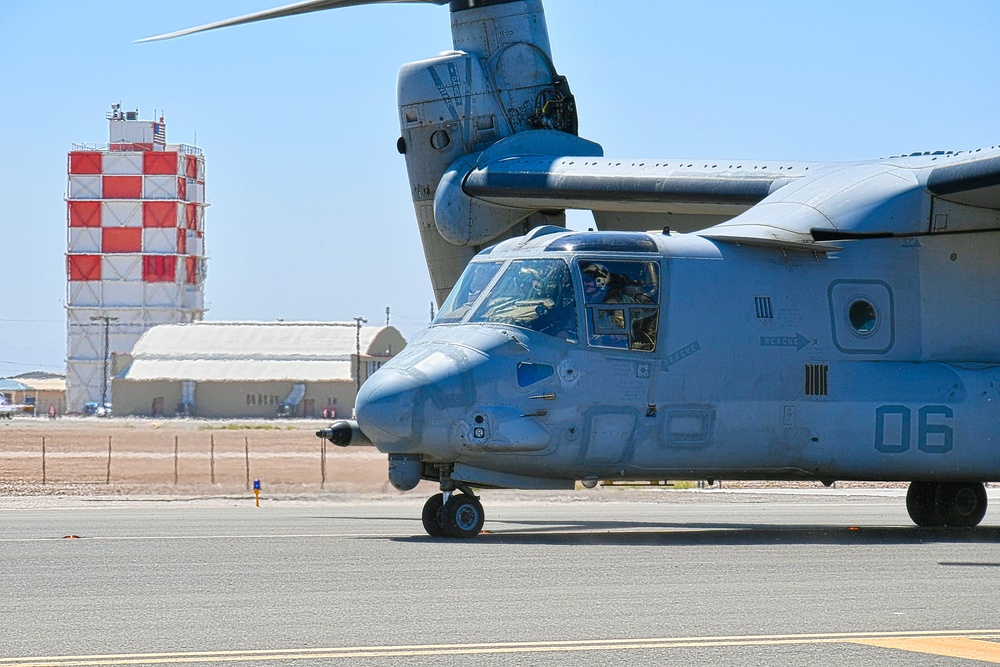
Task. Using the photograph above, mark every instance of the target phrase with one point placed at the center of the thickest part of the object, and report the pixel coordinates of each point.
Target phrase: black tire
(431, 516)
(961, 504)
(921, 504)
(462, 516)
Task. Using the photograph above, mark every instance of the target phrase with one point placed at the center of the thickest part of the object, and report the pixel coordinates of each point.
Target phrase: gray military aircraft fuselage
(714, 360)
(802, 321)
(739, 362)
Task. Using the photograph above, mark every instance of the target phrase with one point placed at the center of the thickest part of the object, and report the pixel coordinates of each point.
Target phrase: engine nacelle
(465, 220)
(498, 82)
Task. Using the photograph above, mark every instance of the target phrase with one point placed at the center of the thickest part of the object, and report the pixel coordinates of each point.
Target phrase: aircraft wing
(874, 199)
(690, 187)
(974, 182)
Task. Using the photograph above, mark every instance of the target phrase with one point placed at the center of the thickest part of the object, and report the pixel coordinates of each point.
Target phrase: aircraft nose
(410, 404)
(384, 408)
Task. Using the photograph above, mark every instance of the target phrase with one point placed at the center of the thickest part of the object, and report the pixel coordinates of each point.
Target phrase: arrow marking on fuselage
(798, 341)
(685, 351)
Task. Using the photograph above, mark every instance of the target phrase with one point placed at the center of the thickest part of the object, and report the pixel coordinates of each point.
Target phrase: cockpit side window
(536, 294)
(622, 303)
(470, 286)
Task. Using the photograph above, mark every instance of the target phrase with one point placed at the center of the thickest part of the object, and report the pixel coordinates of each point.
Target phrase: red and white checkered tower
(136, 246)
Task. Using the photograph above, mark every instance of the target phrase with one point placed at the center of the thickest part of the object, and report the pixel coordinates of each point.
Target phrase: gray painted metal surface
(817, 321)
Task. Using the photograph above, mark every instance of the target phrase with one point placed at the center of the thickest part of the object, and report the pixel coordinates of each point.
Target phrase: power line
(35, 321)
(28, 363)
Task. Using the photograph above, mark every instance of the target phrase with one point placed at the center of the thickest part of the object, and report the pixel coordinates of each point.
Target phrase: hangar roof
(257, 351)
(22, 383)
(13, 385)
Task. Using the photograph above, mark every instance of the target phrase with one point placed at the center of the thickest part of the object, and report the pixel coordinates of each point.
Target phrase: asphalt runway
(824, 578)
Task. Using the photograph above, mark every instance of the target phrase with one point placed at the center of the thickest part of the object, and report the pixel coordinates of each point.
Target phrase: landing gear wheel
(961, 504)
(951, 504)
(462, 516)
(431, 516)
(921, 504)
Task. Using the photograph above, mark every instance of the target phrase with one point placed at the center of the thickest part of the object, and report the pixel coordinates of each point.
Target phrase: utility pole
(357, 367)
(107, 349)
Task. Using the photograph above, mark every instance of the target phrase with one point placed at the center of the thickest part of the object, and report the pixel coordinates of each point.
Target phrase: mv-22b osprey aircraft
(785, 321)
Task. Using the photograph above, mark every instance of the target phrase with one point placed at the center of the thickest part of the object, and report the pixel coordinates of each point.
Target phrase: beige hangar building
(230, 370)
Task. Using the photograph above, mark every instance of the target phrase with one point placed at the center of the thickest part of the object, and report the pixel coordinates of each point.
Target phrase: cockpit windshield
(536, 294)
(464, 295)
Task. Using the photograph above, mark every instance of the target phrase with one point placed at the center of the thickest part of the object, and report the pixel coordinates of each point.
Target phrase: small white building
(224, 370)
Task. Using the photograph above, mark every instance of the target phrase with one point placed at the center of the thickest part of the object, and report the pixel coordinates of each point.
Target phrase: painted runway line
(951, 647)
(969, 644)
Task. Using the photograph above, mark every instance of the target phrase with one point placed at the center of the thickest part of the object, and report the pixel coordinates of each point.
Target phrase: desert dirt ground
(116, 456)
(88, 456)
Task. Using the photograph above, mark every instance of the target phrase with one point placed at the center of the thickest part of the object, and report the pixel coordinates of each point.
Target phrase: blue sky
(310, 215)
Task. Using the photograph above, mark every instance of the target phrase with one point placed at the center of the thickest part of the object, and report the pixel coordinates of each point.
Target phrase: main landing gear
(450, 514)
(951, 504)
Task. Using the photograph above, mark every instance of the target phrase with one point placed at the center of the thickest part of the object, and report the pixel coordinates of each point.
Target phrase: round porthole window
(863, 317)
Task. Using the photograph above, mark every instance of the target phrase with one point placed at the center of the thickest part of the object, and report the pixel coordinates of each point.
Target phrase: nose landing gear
(450, 514)
(460, 516)
(951, 504)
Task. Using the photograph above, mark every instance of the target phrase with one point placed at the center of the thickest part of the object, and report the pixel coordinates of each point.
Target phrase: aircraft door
(613, 421)
(622, 311)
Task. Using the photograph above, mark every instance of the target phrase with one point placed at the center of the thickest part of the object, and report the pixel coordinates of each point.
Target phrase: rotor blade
(288, 10)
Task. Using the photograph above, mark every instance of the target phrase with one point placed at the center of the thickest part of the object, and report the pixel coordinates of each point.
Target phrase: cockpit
(617, 307)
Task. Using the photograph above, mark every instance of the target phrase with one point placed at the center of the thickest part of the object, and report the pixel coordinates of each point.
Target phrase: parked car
(94, 409)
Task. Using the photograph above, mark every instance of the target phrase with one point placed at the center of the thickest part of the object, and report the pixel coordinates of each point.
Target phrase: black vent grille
(816, 379)
(763, 306)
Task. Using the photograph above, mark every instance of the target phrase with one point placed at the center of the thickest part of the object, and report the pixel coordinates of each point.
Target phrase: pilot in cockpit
(602, 286)
(609, 328)
(596, 280)
(529, 284)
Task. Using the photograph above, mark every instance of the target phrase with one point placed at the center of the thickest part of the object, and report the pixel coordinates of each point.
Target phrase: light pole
(107, 348)
(357, 369)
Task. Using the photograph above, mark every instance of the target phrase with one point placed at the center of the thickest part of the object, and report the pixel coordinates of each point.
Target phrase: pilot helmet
(596, 279)
(598, 273)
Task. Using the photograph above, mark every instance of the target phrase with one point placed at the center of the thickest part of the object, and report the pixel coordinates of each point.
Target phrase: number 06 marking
(931, 438)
